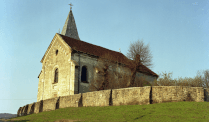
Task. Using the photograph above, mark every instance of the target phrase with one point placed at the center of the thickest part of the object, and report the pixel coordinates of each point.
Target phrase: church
(69, 64)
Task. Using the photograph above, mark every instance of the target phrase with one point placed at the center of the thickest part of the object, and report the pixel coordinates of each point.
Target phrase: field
(160, 112)
(184, 111)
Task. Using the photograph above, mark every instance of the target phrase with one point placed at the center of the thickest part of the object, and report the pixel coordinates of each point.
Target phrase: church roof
(95, 50)
(69, 28)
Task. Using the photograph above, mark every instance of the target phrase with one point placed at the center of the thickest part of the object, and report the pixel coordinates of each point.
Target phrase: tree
(133, 66)
(204, 75)
(138, 47)
(138, 54)
(206, 78)
(107, 76)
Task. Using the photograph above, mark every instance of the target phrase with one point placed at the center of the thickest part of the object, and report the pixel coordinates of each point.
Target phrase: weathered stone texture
(22, 111)
(206, 95)
(50, 104)
(89, 62)
(30, 108)
(70, 101)
(40, 87)
(38, 106)
(19, 111)
(176, 93)
(198, 93)
(25, 109)
(124, 96)
(67, 63)
(135, 95)
(96, 98)
(63, 62)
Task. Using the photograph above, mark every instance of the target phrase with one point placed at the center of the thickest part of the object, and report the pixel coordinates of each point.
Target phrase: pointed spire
(70, 29)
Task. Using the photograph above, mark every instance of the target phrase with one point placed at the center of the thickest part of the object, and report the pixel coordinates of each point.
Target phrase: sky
(177, 32)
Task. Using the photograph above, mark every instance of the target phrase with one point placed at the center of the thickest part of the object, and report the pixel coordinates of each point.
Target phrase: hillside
(160, 112)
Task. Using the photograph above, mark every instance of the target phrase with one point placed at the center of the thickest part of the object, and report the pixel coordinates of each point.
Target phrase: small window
(84, 75)
(56, 52)
(56, 76)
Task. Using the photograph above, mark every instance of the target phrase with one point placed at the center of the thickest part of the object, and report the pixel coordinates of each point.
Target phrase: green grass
(160, 112)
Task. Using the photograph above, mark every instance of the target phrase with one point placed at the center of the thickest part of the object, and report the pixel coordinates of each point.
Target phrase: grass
(184, 111)
(160, 112)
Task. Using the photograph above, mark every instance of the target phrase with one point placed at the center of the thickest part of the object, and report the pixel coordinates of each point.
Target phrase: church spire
(70, 29)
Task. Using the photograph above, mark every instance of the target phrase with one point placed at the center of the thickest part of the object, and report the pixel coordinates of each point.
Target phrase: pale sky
(177, 32)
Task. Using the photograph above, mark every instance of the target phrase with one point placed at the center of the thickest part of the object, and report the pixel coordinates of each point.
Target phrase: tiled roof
(91, 49)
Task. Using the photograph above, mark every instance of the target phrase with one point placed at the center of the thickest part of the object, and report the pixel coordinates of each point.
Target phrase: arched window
(56, 76)
(56, 52)
(84, 74)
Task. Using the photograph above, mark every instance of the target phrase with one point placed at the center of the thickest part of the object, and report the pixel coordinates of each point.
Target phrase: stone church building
(69, 64)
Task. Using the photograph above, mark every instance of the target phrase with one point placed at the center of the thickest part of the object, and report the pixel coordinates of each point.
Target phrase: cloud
(195, 3)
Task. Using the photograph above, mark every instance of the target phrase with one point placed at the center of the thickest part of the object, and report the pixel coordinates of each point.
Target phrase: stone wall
(140, 95)
(96, 98)
(19, 111)
(38, 107)
(124, 96)
(50, 104)
(47, 88)
(176, 93)
(67, 62)
(31, 108)
(206, 94)
(89, 62)
(70, 101)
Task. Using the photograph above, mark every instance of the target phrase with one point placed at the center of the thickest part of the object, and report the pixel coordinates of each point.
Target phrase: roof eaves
(39, 74)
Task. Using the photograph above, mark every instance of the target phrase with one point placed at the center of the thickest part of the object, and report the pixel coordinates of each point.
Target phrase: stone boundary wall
(177, 93)
(123, 96)
(206, 94)
(70, 101)
(96, 98)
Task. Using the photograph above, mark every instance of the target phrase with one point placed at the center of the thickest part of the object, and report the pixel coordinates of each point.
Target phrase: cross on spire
(70, 6)
(69, 28)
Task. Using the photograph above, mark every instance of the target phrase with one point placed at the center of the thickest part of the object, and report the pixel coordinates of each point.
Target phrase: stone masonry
(124, 96)
(72, 58)
(60, 56)
(62, 60)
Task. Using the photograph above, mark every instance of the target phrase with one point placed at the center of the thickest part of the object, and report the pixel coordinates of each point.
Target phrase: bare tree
(204, 76)
(138, 47)
(106, 75)
(133, 66)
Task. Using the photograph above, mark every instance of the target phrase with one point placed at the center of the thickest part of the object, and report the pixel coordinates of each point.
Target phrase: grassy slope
(161, 112)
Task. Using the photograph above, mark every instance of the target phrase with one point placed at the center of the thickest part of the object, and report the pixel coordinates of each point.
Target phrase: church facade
(69, 64)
